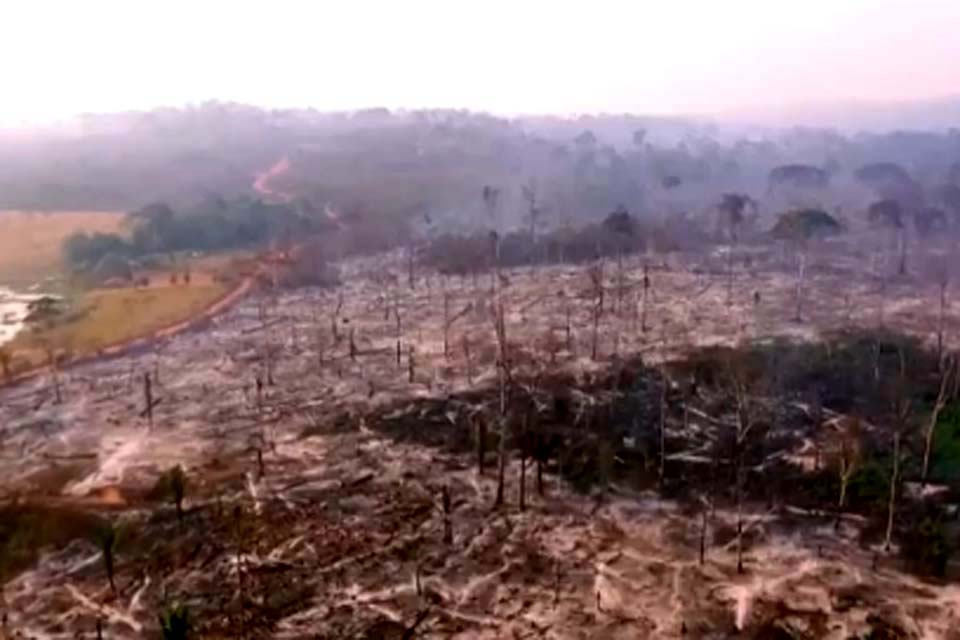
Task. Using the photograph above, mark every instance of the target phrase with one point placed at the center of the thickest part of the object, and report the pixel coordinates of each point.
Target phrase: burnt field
(650, 445)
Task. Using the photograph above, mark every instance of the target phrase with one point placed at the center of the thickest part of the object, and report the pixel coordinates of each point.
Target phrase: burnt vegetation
(459, 399)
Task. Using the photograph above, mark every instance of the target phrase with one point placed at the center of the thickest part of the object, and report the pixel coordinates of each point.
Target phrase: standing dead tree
(646, 294)
(595, 272)
(900, 413)
(887, 214)
(411, 267)
(745, 425)
(846, 452)
(267, 346)
(491, 202)
(503, 381)
(731, 210)
(465, 341)
(941, 276)
(800, 228)
(446, 322)
(352, 344)
(399, 330)
(704, 512)
(335, 319)
(662, 430)
(950, 368)
(148, 399)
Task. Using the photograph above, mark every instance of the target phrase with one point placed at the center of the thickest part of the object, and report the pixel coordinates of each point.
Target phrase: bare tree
(148, 398)
(595, 272)
(533, 210)
(664, 387)
(889, 214)
(503, 378)
(848, 456)
(900, 414)
(745, 424)
(411, 266)
(465, 341)
(491, 202)
(800, 228)
(704, 511)
(949, 369)
(646, 293)
(446, 322)
(892, 500)
(941, 275)
(732, 209)
(399, 329)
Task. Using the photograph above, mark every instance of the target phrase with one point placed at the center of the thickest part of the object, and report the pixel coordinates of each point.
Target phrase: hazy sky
(665, 56)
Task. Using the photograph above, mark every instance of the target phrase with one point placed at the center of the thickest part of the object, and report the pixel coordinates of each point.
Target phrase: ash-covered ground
(315, 497)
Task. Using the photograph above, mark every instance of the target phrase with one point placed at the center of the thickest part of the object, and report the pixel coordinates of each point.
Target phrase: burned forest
(535, 397)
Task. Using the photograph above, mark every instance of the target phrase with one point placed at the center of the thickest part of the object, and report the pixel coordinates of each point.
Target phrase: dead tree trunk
(950, 367)
(703, 531)
(902, 240)
(941, 318)
(446, 324)
(335, 319)
(410, 268)
(523, 480)
(620, 282)
(801, 272)
(596, 280)
(730, 247)
(148, 398)
(466, 357)
(501, 463)
(739, 499)
(892, 502)
(540, 455)
(846, 472)
(481, 435)
(503, 370)
(661, 475)
(410, 365)
(353, 346)
(447, 509)
(646, 292)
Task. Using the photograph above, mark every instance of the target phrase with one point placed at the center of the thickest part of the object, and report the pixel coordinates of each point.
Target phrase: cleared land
(30, 242)
(314, 505)
(30, 254)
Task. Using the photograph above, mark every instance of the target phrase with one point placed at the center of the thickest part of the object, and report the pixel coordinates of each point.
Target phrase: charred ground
(331, 438)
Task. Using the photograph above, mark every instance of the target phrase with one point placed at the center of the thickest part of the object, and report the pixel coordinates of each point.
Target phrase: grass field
(30, 253)
(100, 318)
(30, 242)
